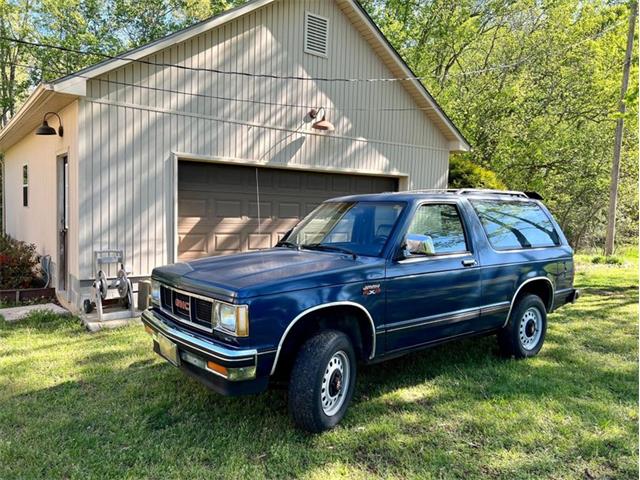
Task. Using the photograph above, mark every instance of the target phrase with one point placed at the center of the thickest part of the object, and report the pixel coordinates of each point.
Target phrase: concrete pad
(113, 317)
(15, 314)
(116, 323)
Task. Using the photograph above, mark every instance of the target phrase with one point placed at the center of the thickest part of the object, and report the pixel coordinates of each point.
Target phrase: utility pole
(615, 168)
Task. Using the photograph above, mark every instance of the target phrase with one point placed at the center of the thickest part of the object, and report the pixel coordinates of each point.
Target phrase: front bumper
(225, 370)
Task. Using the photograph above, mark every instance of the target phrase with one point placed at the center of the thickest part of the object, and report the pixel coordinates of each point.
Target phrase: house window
(25, 185)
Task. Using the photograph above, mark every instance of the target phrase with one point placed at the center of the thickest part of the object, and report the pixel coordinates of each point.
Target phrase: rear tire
(322, 381)
(524, 334)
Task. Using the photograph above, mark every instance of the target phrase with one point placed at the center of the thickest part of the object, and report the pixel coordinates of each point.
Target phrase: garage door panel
(228, 208)
(340, 183)
(289, 180)
(193, 243)
(219, 216)
(257, 241)
(288, 210)
(227, 242)
(192, 207)
(317, 182)
(265, 209)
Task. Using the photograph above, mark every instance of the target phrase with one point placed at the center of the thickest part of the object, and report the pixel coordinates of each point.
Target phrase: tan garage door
(218, 210)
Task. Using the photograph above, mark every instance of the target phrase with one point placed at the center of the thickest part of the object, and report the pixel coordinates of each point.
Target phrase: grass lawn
(78, 405)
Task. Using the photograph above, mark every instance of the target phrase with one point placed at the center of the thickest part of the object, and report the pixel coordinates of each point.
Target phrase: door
(63, 220)
(433, 291)
(219, 212)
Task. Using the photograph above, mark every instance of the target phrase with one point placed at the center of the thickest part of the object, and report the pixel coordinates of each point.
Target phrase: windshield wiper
(286, 243)
(332, 248)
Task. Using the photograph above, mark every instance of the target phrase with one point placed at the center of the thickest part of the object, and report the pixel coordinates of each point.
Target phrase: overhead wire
(218, 97)
(271, 76)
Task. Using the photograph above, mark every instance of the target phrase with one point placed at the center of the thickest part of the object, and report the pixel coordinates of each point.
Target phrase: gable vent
(316, 34)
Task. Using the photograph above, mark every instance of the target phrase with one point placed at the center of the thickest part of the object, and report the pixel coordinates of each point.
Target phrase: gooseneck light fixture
(323, 124)
(45, 129)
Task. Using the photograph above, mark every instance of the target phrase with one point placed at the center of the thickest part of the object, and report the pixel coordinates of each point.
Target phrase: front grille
(202, 314)
(187, 309)
(165, 298)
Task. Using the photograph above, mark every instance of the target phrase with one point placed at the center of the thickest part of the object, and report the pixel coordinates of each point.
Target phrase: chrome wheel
(335, 383)
(530, 329)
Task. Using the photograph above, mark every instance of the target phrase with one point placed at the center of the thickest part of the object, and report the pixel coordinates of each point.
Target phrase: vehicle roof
(418, 195)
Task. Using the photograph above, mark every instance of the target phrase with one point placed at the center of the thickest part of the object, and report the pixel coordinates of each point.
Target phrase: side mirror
(416, 244)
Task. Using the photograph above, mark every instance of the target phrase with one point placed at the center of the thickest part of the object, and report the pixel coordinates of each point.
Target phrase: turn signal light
(217, 368)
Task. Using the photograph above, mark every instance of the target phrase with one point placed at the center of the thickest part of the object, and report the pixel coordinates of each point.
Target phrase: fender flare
(515, 295)
(304, 313)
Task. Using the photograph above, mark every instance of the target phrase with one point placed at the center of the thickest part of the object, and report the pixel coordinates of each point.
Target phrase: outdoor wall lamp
(45, 129)
(324, 124)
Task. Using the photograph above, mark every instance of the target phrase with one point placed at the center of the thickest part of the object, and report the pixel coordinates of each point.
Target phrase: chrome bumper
(205, 354)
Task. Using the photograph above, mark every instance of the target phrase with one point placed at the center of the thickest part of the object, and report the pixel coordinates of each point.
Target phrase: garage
(218, 203)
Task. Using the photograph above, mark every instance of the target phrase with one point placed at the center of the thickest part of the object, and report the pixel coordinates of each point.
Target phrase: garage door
(218, 210)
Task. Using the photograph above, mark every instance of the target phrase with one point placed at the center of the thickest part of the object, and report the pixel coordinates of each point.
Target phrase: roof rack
(466, 191)
(511, 193)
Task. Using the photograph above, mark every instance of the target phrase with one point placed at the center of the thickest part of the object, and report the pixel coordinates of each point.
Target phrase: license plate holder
(168, 350)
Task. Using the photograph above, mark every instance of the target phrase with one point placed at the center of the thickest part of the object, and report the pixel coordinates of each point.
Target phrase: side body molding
(515, 295)
(320, 307)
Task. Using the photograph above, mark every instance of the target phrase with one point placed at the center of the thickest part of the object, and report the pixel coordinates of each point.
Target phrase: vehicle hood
(269, 271)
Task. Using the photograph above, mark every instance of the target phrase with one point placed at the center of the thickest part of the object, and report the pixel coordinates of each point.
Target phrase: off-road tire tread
(304, 409)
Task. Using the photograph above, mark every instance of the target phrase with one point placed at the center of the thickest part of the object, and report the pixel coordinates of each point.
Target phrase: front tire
(524, 335)
(322, 381)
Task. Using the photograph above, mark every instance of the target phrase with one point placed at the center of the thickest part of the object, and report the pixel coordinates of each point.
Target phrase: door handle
(469, 263)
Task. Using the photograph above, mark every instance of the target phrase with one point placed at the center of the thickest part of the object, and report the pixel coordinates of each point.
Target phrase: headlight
(155, 292)
(233, 319)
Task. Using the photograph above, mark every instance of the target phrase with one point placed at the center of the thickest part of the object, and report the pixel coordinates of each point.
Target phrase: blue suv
(363, 279)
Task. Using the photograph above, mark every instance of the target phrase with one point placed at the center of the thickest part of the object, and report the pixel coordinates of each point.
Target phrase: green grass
(79, 405)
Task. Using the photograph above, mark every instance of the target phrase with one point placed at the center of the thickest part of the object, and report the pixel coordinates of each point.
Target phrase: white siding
(38, 222)
(129, 133)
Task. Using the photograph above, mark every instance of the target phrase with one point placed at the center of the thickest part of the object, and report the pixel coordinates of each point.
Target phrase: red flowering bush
(18, 262)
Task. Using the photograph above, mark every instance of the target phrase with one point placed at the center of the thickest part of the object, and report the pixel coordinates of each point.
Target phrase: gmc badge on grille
(182, 304)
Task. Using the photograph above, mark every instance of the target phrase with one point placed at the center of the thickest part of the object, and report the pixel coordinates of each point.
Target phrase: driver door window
(436, 230)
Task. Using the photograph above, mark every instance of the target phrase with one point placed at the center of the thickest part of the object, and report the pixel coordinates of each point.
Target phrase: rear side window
(515, 225)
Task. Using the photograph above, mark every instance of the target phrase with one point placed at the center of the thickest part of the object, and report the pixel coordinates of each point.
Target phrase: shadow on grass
(455, 410)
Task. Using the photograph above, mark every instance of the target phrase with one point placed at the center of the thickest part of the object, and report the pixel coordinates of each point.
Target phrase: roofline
(110, 64)
(74, 85)
(35, 96)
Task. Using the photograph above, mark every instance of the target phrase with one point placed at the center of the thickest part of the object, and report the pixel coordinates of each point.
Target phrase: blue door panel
(428, 299)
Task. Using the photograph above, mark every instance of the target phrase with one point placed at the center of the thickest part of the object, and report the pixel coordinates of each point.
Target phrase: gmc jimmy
(363, 279)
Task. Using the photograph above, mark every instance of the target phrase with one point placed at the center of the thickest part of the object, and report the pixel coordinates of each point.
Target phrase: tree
(463, 173)
(14, 80)
(534, 87)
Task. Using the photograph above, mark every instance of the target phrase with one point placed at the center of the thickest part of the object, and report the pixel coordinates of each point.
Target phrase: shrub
(18, 262)
(464, 173)
(611, 260)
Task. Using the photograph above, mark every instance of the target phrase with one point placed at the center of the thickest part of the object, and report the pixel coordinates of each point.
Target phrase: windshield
(361, 228)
